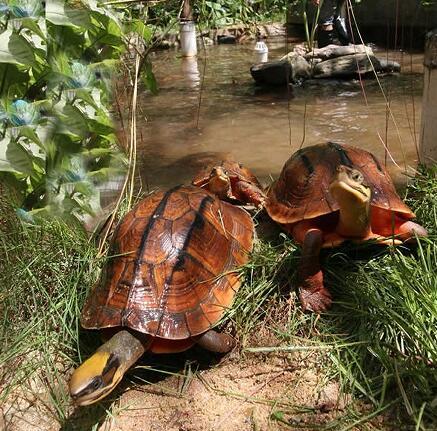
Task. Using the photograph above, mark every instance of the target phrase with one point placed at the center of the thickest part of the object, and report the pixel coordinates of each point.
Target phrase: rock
(346, 66)
(300, 68)
(207, 41)
(300, 50)
(333, 51)
(332, 61)
(272, 72)
(389, 66)
(226, 39)
(274, 30)
(331, 398)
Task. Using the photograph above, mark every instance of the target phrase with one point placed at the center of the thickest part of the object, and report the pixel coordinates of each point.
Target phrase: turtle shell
(302, 190)
(171, 273)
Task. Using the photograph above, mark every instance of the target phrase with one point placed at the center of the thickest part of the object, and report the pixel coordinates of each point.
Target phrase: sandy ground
(240, 393)
(230, 397)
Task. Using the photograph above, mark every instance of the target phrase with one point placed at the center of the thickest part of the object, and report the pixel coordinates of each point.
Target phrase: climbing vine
(58, 145)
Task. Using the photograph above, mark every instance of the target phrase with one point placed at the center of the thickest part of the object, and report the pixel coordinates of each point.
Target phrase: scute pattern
(172, 273)
(302, 190)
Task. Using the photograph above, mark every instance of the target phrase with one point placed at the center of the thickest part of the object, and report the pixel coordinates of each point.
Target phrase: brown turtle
(330, 193)
(171, 275)
(231, 181)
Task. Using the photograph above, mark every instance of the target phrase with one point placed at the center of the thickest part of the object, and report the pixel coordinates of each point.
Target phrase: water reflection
(190, 71)
(261, 128)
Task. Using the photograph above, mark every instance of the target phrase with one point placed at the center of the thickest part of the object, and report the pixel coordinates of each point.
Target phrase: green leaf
(83, 187)
(60, 63)
(22, 50)
(86, 96)
(15, 49)
(57, 14)
(97, 152)
(68, 40)
(32, 25)
(105, 64)
(149, 79)
(106, 31)
(104, 174)
(19, 159)
(14, 81)
(74, 121)
(5, 164)
(30, 134)
(100, 128)
(114, 28)
(138, 27)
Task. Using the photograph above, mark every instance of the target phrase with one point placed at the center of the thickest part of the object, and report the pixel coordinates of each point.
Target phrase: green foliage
(46, 272)
(380, 336)
(378, 340)
(216, 13)
(388, 306)
(57, 141)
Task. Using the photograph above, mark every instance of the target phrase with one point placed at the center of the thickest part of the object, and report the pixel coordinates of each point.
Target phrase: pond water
(208, 108)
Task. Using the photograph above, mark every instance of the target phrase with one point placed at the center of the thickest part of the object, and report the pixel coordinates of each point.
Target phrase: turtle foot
(313, 294)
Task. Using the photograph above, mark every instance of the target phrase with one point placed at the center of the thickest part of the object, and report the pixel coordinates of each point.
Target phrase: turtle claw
(313, 295)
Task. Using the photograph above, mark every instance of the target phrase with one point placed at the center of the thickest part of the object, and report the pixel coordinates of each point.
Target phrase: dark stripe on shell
(159, 210)
(308, 165)
(156, 214)
(377, 163)
(344, 157)
(198, 222)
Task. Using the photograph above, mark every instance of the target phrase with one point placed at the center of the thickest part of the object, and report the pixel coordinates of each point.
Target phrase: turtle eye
(96, 384)
(93, 386)
(357, 176)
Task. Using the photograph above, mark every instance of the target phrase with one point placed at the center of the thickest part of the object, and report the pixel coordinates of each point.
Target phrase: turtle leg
(408, 231)
(216, 341)
(248, 193)
(312, 292)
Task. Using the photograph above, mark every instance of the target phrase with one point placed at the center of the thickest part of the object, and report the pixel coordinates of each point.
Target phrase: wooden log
(348, 65)
(428, 129)
(333, 51)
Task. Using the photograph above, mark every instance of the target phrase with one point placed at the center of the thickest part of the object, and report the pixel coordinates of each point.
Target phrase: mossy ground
(370, 363)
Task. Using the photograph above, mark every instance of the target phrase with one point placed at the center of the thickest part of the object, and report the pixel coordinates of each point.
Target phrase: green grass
(45, 274)
(388, 306)
(379, 340)
(381, 334)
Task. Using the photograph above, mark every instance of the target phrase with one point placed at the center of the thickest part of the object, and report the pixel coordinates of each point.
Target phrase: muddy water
(210, 108)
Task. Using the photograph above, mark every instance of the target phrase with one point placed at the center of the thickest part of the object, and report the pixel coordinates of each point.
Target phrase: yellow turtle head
(348, 186)
(101, 373)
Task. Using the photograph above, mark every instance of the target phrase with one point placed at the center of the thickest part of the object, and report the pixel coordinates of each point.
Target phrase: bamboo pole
(428, 129)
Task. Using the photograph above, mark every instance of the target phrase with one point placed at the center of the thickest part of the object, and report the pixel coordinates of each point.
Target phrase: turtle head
(348, 186)
(219, 182)
(353, 197)
(101, 373)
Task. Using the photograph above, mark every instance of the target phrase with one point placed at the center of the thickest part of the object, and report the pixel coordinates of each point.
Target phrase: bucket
(261, 52)
(187, 34)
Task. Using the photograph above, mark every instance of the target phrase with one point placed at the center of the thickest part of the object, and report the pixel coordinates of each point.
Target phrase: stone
(333, 51)
(389, 66)
(226, 39)
(346, 66)
(272, 73)
(300, 68)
